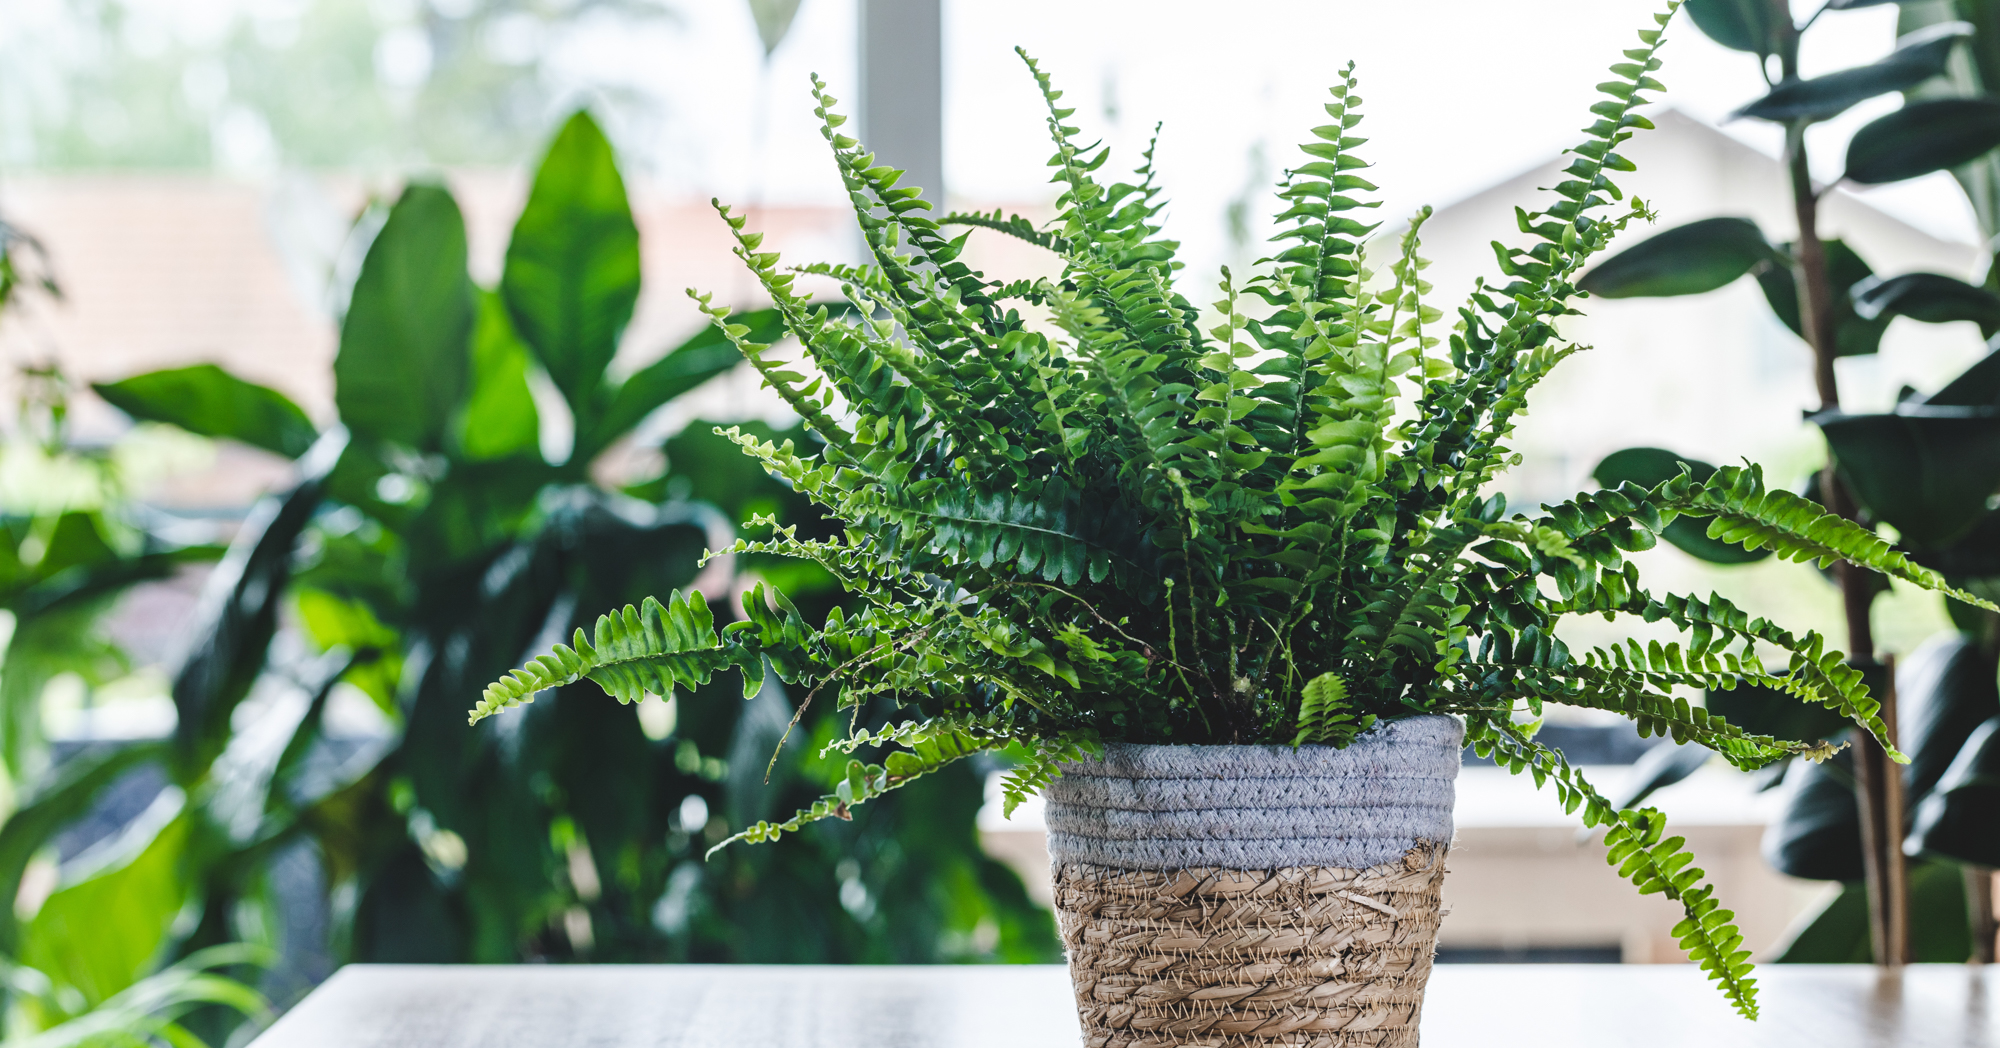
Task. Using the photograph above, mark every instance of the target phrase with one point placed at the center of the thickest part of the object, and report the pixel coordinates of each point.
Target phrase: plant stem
(1880, 780)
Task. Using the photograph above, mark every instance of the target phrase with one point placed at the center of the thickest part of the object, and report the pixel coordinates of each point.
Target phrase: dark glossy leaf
(1818, 836)
(500, 419)
(572, 273)
(1930, 298)
(1976, 387)
(403, 359)
(1944, 690)
(702, 357)
(1686, 260)
(1769, 711)
(240, 602)
(1923, 137)
(1648, 467)
(1927, 475)
(1838, 932)
(207, 400)
(1960, 820)
(1665, 763)
(1917, 57)
(1853, 336)
(1740, 25)
(70, 792)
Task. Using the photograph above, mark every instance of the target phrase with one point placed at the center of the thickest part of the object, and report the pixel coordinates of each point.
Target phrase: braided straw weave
(1255, 896)
(1302, 956)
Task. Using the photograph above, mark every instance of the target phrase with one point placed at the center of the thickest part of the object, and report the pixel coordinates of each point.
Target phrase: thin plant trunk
(1880, 780)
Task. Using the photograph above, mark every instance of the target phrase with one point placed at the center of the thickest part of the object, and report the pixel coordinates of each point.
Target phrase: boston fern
(1123, 525)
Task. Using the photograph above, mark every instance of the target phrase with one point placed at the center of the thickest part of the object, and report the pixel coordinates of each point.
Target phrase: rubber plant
(1126, 526)
(1928, 468)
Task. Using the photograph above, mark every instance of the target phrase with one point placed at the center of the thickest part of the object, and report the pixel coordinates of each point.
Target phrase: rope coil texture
(1229, 954)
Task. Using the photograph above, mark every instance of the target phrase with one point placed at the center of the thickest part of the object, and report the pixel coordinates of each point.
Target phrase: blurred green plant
(426, 546)
(1929, 468)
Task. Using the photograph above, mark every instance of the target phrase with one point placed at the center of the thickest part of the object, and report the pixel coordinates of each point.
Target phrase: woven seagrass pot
(1253, 896)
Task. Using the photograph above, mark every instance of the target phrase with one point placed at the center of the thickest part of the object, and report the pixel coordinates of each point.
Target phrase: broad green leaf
(1740, 25)
(1944, 691)
(1923, 137)
(105, 932)
(1930, 298)
(1648, 467)
(69, 792)
(1929, 476)
(1917, 57)
(207, 400)
(402, 366)
(1663, 764)
(1686, 260)
(1960, 821)
(572, 274)
(500, 420)
(1853, 336)
(705, 355)
(1976, 387)
(240, 605)
(1762, 710)
(1818, 834)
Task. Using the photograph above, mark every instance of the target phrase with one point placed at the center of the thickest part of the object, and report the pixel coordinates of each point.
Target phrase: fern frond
(653, 648)
(928, 750)
(1637, 848)
(1013, 225)
(1325, 716)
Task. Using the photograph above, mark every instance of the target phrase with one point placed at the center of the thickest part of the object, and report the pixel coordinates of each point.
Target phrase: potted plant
(1235, 596)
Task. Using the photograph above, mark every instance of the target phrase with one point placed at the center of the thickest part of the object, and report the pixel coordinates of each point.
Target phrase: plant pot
(1245, 896)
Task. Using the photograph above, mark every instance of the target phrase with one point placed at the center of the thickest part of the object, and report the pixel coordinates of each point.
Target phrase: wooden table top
(746, 1006)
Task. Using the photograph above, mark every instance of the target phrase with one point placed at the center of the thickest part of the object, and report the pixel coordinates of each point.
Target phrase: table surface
(747, 1006)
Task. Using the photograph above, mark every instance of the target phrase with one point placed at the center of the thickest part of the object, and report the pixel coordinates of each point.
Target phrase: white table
(1487, 1006)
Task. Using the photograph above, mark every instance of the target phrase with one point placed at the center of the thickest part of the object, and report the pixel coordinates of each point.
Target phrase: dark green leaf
(1647, 467)
(1927, 475)
(1740, 25)
(241, 599)
(702, 357)
(500, 419)
(1769, 711)
(1960, 821)
(1853, 336)
(1944, 692)
(67, 795)
(207, 400)
(1665, 763)
(1923, 137)
(1976, 387)
(572, 274)
(1917, 57)
(1930, 298)
(402, 365)
(1818, 836)
(1686, 260)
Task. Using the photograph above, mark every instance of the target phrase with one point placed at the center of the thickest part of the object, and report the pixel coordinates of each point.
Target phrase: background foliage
(1928, 469)
(426, 544)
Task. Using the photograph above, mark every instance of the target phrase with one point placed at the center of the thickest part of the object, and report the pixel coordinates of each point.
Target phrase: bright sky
(1458, 94)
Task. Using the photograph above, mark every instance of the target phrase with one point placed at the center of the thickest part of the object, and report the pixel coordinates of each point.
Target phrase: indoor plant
(1135, 552)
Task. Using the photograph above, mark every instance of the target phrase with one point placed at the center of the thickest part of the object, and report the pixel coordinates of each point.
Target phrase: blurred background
(245, 614)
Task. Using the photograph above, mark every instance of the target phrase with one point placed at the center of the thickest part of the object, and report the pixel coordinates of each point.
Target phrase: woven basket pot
(1240, 896)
